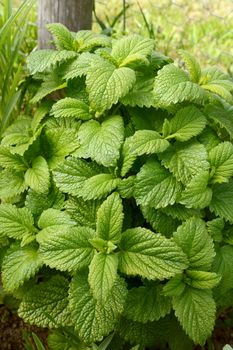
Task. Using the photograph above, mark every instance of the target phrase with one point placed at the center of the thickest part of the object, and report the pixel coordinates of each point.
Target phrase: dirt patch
(13, 330)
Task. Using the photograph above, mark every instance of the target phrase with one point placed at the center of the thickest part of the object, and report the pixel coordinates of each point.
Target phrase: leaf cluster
(117, 211)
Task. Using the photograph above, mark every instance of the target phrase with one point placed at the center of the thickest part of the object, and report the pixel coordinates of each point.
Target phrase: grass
(204, 27)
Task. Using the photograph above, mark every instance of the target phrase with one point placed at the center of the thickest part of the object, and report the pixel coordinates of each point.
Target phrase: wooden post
(74, 14)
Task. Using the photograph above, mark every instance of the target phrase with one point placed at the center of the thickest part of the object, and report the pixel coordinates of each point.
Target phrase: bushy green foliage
(117, 212)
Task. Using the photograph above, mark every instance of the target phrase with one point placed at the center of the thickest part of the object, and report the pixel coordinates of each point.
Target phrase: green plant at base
(117, 211)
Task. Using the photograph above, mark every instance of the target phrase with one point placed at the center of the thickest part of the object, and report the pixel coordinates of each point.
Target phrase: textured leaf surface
(172, 85)
(102, 142)
(193, 238)
(38, 202)
(146, 142)
(202, 279)
(19, 265)
(63, 38)
(12, 183)
(187, 123)
(51, 217)
(222, 117)
(71, 107)
(197, 194)
(221, 162)
(131, 49)
(83, 212)
(185, 161)
(67, 249)
(106, 84)
(99, 186)
(222, 204)
(141, 94)
(195, 310)
(102, 275)
(71, 175)
(192, 65)
(110, 218)
(38, 177)
(47, 305)
(155, 186)
(147, 303)
(43, 60)
(9, 160)
(222, 265)
(15, 222)
(59, 143)
(149, 255)
(92, 319)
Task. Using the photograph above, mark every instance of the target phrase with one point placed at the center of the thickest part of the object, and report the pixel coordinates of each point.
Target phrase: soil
(13, 330)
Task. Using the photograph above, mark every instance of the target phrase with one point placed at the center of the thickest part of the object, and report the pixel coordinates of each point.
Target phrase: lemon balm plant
(117, 211)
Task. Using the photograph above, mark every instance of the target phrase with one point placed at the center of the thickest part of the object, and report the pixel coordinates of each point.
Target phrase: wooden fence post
(74, 14)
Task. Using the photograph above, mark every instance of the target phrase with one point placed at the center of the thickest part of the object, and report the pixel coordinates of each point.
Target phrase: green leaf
(175, 286)
(193, 66)
(19, 265)
(221, 162)
(18, 136)
(71, 107)
(110, 219)
(221, 203)
(83, 212)
(147, 335)
(222, 265)
(149, 255)
(71, 175)
(146, 142)
(197, 194)
(12, 183)
(195, 310)
(141, 94)
(86, 40)
(79, 66)
(106, 84)
(93, 319)
(66, 248)
(50, 85)
(221, 116)
(102, 275)
(159, 220)
(59, 338)
(172, 85)
(51, 217)
(13, 161)
(132, 49)
(98, 186)
(63, 38)
(38, 177)
(194, 240)
(102, 142)
(43, 60)
(60, 143)
(215, 228)
(46, 304)
(126, 187)
(187, 123)
(38, 202)
(147, 303)
(155, 186)
(202, 279)
(185, 160)
(16, 222)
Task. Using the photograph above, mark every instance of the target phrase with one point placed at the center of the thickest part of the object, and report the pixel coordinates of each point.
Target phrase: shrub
(117, 208)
